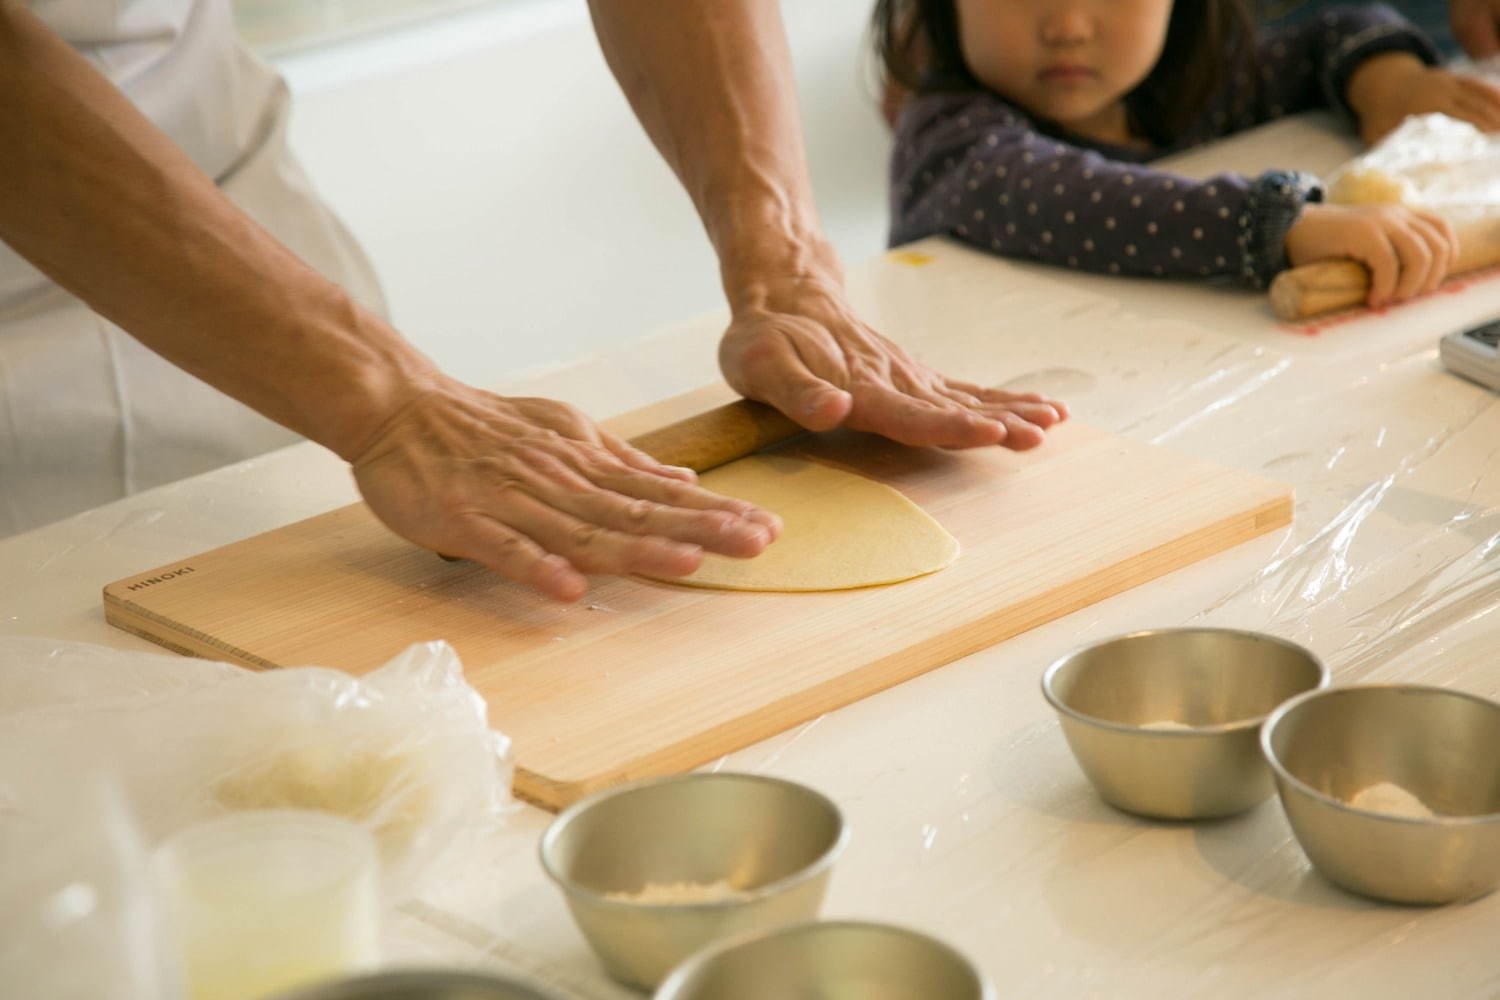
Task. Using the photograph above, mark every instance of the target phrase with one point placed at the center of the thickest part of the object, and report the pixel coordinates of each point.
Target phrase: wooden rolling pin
(1329, 285)
(718, 436)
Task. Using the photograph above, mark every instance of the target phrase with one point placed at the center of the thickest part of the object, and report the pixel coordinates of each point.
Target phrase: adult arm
(109, 208)
(712, 85)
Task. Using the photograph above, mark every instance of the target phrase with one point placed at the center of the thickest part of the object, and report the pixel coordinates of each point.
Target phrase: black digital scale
(1474, 353)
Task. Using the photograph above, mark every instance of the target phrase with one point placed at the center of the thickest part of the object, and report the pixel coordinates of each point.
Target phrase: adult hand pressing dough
(839, 530)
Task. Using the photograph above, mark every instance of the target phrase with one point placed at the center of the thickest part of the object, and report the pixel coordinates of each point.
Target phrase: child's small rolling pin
(1329, 285)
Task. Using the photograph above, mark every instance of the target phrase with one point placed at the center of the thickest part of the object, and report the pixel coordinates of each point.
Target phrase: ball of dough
(1369, 186)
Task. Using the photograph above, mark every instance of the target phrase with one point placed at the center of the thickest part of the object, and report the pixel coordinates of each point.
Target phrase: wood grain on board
(644, 678)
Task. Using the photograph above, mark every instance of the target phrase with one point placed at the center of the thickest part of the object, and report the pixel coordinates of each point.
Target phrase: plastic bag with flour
(1431, 161)
(405, 750)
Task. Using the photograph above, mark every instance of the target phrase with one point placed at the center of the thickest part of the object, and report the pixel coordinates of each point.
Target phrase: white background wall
(515, 210)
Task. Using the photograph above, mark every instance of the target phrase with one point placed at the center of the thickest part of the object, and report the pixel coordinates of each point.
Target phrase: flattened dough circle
(841, 530)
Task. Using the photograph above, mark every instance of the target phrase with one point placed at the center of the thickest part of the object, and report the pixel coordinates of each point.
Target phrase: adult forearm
(712, 85)
(711, 82)
(107, 206)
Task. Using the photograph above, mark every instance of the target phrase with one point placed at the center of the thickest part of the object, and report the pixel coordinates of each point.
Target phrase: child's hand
(1407, 252)
(1388, 88)
(1474, 26)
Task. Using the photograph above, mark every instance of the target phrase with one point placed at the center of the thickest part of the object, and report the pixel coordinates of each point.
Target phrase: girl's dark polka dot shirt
(972, 166)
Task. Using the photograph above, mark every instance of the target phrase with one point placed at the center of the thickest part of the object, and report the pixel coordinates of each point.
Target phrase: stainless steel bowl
(1441, 746)
(772, 841)
(424, 984)
(1116, 698)
(828, 959)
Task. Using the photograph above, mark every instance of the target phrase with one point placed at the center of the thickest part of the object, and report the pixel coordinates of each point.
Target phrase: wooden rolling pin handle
(1313, 289)
(720, 435)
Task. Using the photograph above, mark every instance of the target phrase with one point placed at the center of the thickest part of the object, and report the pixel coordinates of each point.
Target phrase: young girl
(1026, 124)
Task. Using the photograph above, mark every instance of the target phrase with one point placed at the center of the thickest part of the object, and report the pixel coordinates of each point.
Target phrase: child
(1030, 121)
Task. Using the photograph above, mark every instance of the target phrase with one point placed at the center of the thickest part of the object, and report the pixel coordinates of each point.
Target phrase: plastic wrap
(1430, 161)
(972, 819)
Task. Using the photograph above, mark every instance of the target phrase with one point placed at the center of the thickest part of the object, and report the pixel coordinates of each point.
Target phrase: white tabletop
(970, 819)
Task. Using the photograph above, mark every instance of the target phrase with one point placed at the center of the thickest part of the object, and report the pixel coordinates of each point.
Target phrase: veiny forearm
(712, 85)
(96, 197)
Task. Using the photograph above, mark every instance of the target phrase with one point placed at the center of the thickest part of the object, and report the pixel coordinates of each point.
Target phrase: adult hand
(1408, 252)
(1476, 26)
(529, 488)
(1389, 88)
(800, 348)
(713, 86)
(535, 491)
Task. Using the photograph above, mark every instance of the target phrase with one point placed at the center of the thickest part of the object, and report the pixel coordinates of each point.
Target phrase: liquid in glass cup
(264, 901)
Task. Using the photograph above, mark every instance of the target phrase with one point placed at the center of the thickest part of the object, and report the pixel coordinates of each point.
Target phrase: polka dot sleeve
(973, 168)
(1308, 64)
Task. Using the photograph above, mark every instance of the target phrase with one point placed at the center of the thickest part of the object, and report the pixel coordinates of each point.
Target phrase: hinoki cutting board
(644, 678)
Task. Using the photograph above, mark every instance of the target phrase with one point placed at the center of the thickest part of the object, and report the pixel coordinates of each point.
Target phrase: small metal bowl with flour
(1393, 790)
(1164, 722)
(656, 869)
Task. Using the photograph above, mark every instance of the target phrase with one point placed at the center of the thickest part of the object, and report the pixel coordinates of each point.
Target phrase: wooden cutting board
(645, 678)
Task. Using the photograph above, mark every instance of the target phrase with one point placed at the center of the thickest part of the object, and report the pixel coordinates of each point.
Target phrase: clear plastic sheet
(103, 753)
(978, 821)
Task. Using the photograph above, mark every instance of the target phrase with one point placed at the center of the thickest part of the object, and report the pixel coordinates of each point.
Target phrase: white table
(970, 819)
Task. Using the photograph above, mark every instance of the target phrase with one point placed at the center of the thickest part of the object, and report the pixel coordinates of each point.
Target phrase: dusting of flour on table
(1390, 798)
(681, 892)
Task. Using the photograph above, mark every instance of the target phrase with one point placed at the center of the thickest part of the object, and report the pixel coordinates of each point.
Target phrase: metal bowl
(828, 959)
(1121, 700)
(1441, 746)
(773, 842)
(423, 984)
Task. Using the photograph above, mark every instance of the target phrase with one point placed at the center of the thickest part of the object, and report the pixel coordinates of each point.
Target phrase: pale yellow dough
(841, 530)
(1371, 186)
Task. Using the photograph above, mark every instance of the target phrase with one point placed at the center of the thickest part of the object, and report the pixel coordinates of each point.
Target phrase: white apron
(87, 414)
